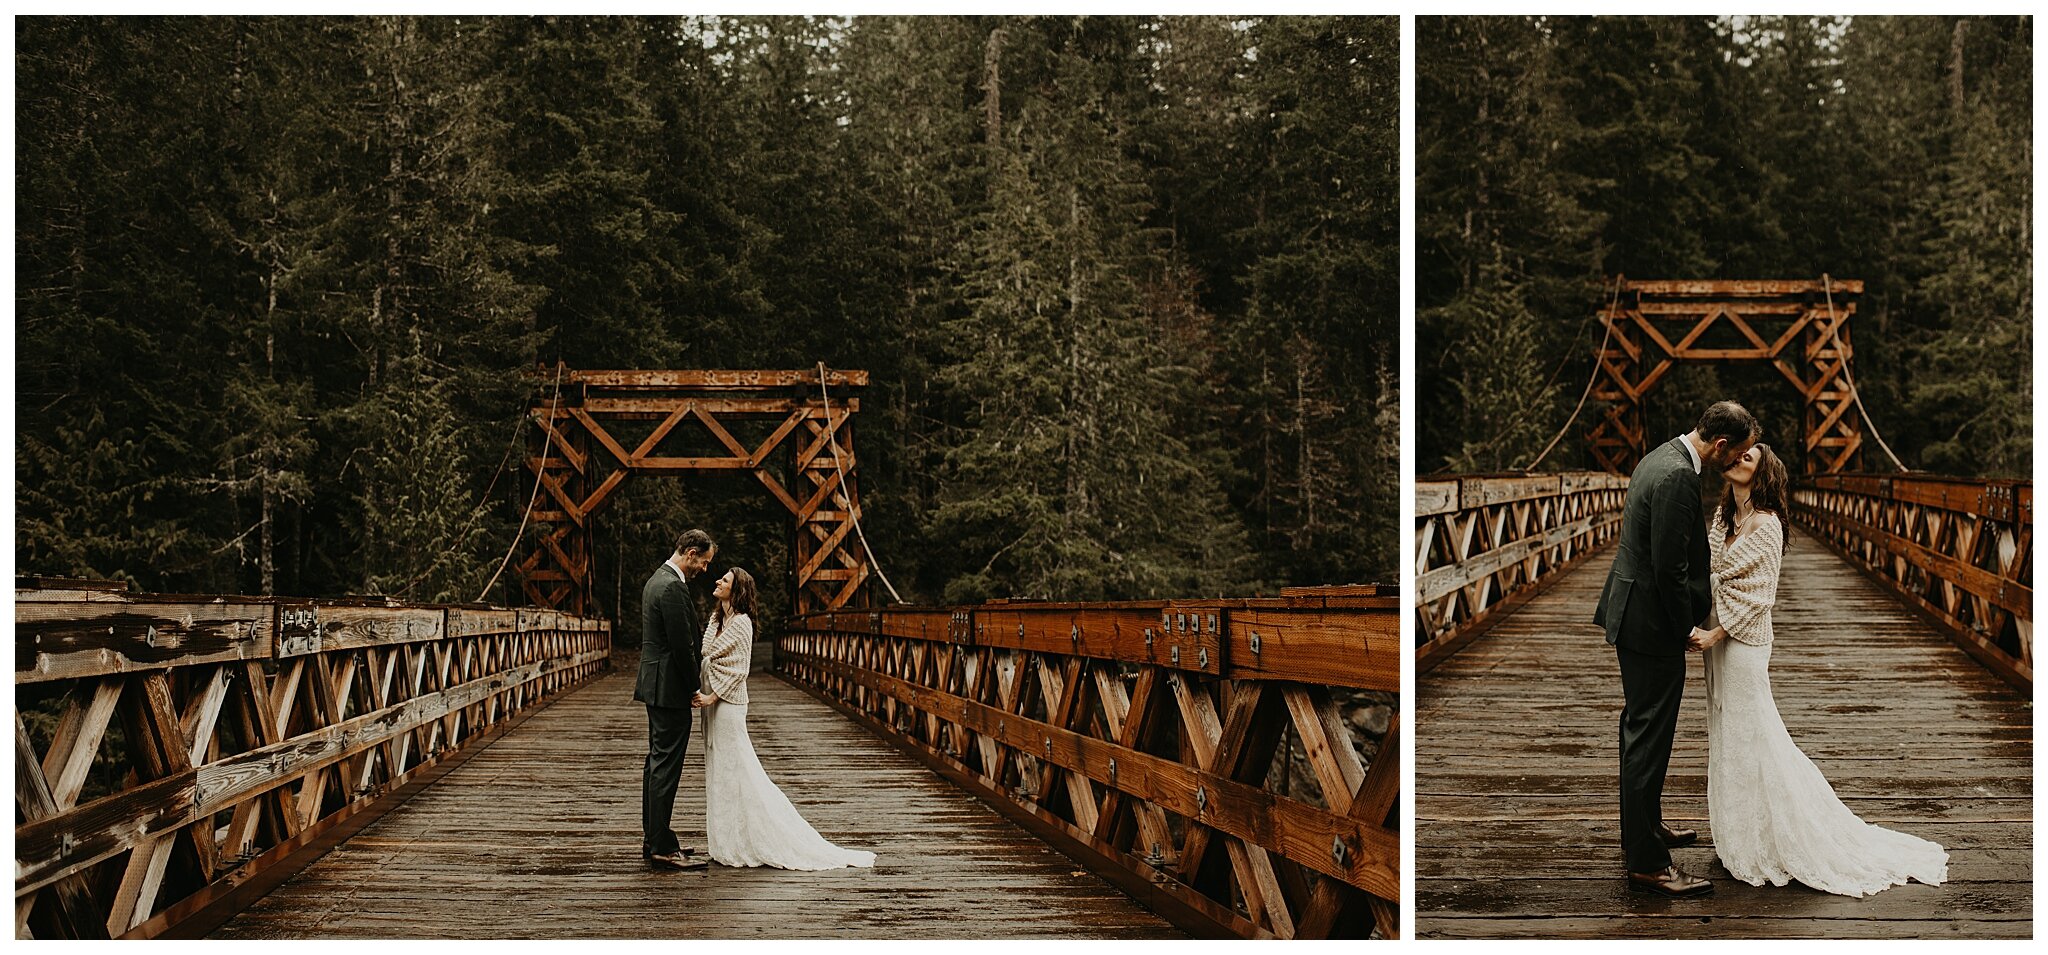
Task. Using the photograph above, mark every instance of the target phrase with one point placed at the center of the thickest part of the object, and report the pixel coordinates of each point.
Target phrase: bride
(747, 820)
(1773, 816)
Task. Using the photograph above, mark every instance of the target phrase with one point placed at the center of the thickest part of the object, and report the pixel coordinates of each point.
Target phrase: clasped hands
(1700, 639)
(701, 699)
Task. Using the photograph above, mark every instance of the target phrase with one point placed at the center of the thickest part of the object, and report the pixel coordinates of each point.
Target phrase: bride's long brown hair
(1769, 489)
(742, 600)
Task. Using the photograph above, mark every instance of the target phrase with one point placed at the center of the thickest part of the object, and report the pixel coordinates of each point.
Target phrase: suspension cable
(1613, 302)
(845, 498)
(539, 472)
(483, 504)
(1841, 347)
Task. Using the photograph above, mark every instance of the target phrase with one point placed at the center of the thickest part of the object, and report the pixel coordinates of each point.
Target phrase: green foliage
(1554, 153)
(1125, 286)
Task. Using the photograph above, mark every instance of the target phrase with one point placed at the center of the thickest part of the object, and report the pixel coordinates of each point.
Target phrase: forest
(1127, 288)
(1555, 153)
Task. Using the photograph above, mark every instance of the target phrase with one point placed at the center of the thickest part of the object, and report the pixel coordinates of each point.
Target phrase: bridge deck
(537, 836)
(1516, 831)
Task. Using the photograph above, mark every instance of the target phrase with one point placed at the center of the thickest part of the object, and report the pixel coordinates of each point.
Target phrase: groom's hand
(700, 699)
(1696, 641)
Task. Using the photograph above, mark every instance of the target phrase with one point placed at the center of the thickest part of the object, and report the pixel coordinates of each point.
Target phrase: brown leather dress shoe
(676, 861)
(1672, 882)
(1673, 838)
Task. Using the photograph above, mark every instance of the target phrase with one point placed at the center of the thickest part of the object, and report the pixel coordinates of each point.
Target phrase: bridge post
(792, 431)
(1800, 327)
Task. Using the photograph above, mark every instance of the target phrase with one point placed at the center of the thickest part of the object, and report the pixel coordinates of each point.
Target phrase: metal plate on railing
(298, 630)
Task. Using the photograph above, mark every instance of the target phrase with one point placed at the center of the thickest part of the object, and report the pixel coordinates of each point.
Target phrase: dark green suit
(671, 648)
(1656, 592)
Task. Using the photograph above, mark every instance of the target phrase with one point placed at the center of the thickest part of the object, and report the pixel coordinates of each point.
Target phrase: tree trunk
(1955, 69)
(1305, 529)
(992, 89)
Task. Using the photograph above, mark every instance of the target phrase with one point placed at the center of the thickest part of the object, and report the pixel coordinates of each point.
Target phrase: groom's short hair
(694, 539)
(1726, 419)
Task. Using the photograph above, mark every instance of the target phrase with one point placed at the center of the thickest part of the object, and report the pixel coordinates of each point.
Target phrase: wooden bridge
(1903, 667)
(268, 767)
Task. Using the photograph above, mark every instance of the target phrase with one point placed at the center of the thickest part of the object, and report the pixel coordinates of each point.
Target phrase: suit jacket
(671, 646)
(1657, 590)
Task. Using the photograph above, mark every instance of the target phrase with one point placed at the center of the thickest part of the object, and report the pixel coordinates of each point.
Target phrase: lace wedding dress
(1773, 816)
(747, 819)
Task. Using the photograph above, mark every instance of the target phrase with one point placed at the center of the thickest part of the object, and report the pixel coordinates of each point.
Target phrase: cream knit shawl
(727, 654)
(1746, 577)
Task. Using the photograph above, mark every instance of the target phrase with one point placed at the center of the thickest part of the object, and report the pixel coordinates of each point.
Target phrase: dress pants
(668, 736)
(1652, 687)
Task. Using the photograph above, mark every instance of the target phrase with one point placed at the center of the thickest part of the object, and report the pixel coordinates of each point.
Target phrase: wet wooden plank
(538, 836)
(1516, 830)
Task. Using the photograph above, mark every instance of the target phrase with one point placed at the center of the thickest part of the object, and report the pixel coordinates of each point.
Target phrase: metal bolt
(1074, 633)
(1020, 631)
(1255, 641)
(1180, 623)
(1201, 798)
(1148, 637)
(1155, 859)
(1203, 656)
(1048, 746)
(1338, 850)
(150, 637)
(1112, 770)
(1212, 623)
(1176, 655)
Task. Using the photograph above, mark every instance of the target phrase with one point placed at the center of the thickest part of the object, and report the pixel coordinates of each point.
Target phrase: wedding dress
(1773, 816)
(747, 819)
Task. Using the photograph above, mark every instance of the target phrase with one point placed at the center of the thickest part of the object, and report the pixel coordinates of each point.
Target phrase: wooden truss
(1959, 550)
(1653, 326)
(580, 459)
(1142, 739)
(1487, 544)
(186, 745)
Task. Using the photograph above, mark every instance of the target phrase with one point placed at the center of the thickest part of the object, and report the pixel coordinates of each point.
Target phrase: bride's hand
(701, 699)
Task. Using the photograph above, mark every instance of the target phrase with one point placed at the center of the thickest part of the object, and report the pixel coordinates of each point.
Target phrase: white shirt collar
(1691, 452)
(672, 565)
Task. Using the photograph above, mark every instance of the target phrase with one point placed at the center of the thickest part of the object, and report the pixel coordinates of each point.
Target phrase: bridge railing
(169, 748)
(1959, 550)
(1140, 738)
(1487, 543)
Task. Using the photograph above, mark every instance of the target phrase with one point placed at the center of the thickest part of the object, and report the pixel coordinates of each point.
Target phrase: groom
(1655, 598)
(671, 649)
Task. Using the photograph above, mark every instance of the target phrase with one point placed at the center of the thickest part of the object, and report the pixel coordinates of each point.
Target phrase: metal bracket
(1202, 657)
(1201, 798)
(1255, 641)
(1338, 850)
(298, 631)
(1175, 655)
(1112, 770)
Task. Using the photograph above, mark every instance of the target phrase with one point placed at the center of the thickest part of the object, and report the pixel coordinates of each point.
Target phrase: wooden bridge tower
(1800, 327)
(580, 456)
